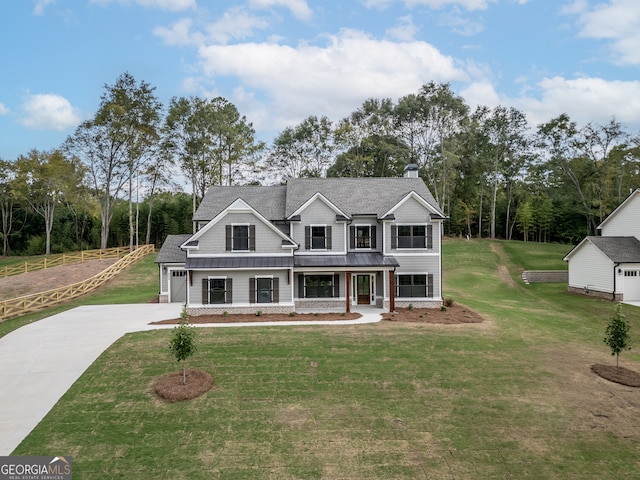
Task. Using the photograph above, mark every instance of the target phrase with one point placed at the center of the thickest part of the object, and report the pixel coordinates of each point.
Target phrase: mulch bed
(455, 314)
(170, 387)
(265, 317)
(620, 375)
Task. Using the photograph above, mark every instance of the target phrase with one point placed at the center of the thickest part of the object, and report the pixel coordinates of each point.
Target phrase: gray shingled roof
(618, 249)
(170, 251)
(267, 201)
(353, 196)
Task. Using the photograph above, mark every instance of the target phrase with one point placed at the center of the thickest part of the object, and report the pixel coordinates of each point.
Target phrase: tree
(305, 150)
(182, 342)
(617, 333)
(44, 179)
(8, 207)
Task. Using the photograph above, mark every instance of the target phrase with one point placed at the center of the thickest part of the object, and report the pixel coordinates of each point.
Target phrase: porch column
(392, 300)
(348, 290)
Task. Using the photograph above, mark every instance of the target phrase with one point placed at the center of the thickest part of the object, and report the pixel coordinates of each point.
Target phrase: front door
(363, 290)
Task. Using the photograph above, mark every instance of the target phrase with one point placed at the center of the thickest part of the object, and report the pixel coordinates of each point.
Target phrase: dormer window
(240, 238)
(317, 237)
(362, 237)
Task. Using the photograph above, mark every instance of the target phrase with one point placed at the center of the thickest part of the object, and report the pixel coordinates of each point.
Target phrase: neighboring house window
(412, 236)
(216, 290)
(362, 236)
(414, 286)
(317, 237)
(319, 286)
(264, 290)
(240, 238)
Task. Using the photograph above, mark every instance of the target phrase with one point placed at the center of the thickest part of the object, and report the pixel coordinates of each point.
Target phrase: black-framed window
(317, 237)
(319, 286)
(264, 290)
(240, 238)
(414, 285)
(362, 236)
(412, 236)
(216, 290)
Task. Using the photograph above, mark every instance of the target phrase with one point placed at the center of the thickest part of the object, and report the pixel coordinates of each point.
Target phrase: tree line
(119, 177)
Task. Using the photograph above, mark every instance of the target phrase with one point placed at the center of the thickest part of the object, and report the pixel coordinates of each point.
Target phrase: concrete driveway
(40, 361)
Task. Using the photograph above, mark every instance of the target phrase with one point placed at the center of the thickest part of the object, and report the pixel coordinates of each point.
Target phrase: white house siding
(626, 221)
(319, 213)
(590, 269)
(241, 303)
(213, 241)
(411, 213)
(427, 264)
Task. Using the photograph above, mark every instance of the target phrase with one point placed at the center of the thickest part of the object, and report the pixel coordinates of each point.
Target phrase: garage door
(178, 288)
(631, 285)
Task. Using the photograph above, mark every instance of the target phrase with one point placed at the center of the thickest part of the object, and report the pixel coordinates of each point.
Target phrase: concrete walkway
(40, 361)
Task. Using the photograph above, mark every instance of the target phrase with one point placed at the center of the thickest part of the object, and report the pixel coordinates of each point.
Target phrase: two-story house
(608, 265)
(313, 244)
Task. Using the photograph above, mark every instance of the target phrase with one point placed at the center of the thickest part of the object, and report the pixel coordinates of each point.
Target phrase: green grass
(137, 284)
(537, 256)
(510, 398)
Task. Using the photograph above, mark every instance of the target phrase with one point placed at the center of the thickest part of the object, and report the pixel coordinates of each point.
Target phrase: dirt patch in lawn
(452, 315)
(172, 388)
(50, 278)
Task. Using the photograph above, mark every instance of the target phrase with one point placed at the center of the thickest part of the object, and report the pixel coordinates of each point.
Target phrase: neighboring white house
(608, 265)
(316, 244)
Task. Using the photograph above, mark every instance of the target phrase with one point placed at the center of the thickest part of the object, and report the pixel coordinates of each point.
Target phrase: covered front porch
(343, 282)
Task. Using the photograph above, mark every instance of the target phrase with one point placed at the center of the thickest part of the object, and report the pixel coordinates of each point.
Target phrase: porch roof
(350, 260)
(207, 263)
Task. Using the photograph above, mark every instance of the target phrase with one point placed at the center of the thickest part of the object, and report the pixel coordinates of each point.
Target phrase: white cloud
(170, 5)
(40, 5)
(178, 34)
(459, 24)
(332, 79)
(49, 112)
(617, 21)
(405, 30)
(236, 23)
(299, 8)
(584, 100)
(435, 4)
(4, 110)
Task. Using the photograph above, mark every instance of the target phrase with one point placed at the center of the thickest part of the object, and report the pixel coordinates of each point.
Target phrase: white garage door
(631, 285)
(178, 288)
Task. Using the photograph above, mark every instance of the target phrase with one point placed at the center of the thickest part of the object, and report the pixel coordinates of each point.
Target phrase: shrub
(410, 306)
(292, 314)
(443, 308)
(259, 313)
(448, 301)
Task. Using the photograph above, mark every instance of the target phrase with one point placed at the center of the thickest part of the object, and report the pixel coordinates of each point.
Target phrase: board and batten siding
(590, 268)
(213, 241)
(240, 284)
(319, 213)
(626, 221)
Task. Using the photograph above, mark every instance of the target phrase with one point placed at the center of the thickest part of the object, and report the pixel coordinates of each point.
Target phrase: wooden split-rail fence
(51, 261)
(30, 303)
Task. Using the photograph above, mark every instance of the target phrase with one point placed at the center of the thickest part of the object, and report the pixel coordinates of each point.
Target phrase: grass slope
(509, 398)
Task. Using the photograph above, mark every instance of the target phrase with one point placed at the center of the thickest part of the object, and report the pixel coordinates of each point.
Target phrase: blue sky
(280, 61)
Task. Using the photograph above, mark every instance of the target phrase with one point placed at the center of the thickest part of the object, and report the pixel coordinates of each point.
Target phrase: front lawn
(511, 397)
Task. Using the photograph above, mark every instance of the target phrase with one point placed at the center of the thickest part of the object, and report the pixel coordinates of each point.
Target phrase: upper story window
(240, 238)
(317, 237)
(412, 236)
(362, 236)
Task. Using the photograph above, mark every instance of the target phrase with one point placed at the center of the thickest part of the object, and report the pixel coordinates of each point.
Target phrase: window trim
(228, 290)
(428, 287)
(274, 289)
(309, 237)
(353, 236)
(428, 236)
